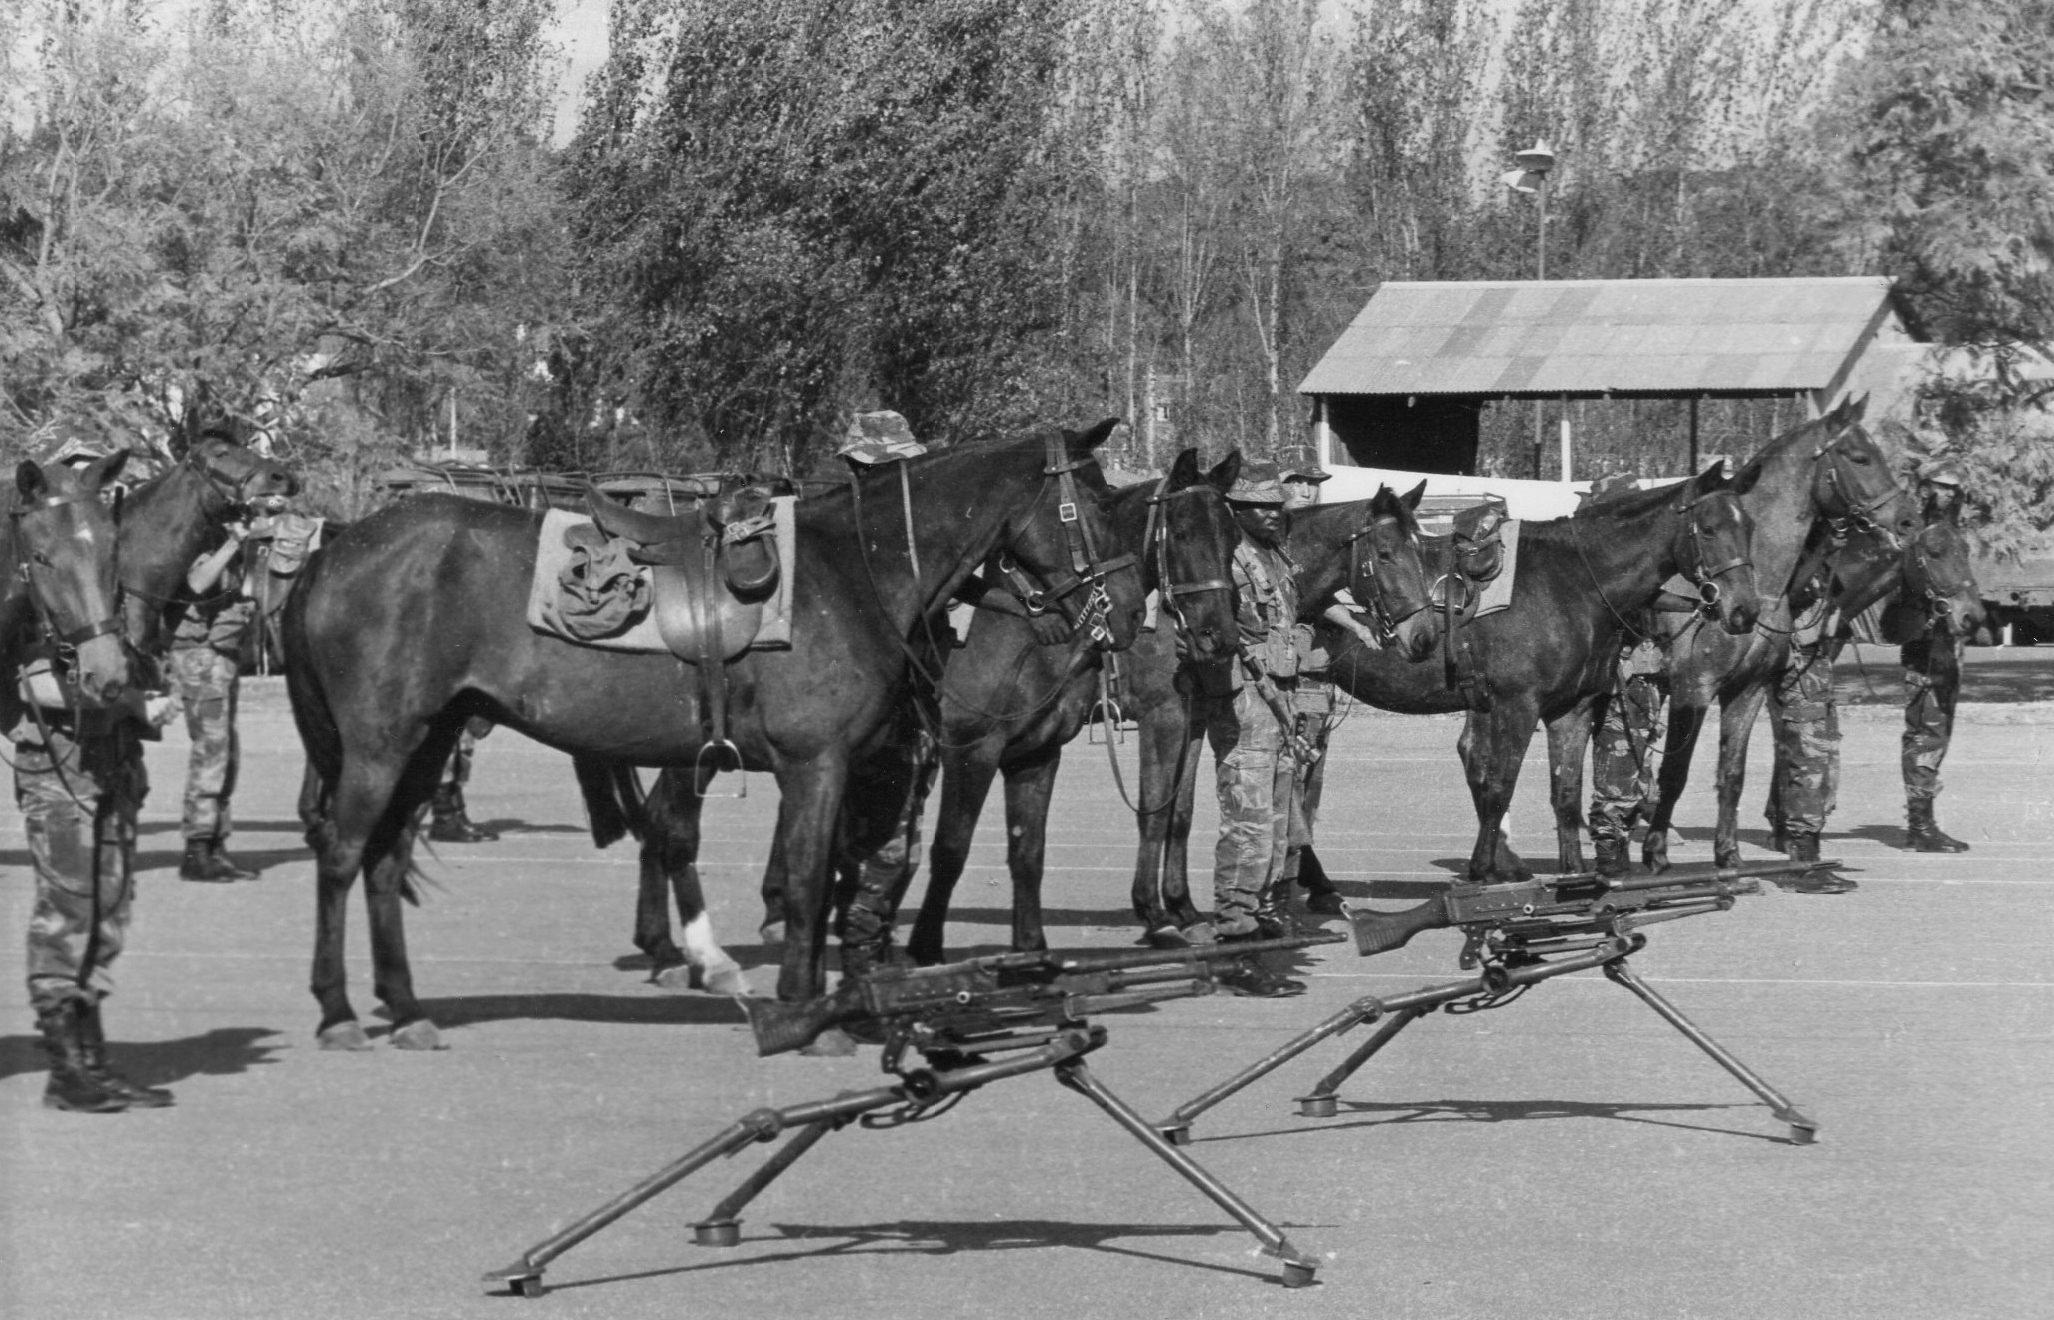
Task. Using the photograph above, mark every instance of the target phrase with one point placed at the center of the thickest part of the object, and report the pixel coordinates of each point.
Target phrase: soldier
(206, 653)
(1244, 704)
(1807, 729)
(451, 821)
(1932, 679)
(1624, 756)
(79, 780)
(1313, 704)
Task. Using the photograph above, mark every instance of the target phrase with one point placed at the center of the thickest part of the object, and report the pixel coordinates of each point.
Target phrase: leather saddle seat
(712, 566)
(1479, 549)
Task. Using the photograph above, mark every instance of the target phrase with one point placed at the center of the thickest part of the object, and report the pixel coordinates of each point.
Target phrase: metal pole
(1540, 273)
(1691, 471)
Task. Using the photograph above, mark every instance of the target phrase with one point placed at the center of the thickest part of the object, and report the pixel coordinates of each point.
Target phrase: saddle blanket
(551, 554)
(1497, 593)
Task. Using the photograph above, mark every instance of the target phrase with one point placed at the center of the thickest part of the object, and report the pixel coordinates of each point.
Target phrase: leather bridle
(1830, 487)
(1706, 577)
(1155, 542)
(1937, 593)
(1089, 613)
(66, 640)
(1384, 621)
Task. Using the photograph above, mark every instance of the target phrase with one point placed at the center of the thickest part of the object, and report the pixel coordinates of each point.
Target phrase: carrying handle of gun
(1381, 932)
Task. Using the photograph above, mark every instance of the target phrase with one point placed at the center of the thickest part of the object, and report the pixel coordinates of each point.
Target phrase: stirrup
(733, 756)
(1110, 728)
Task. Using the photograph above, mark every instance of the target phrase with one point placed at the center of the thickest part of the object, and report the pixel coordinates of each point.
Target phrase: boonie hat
(1941, 472)
(68, 442)
(879, 437)
(1257, 484)
(1304, 467)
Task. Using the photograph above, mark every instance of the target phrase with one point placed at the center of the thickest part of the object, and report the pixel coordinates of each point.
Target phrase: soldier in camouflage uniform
(1625, 754)
(451, 822)
(206, 657)
(1313, 703)
(1806, 722)
(1242, 704)
(1932, 679)
(79, 781)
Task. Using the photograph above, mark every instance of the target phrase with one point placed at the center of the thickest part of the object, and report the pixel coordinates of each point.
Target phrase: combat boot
(455, 826)
(72, 1086)
(1248, 977)
(1925, 834)
(1320, 895)
(199, 864)
(225, 865)
(1612, 857)
(1805, 848)
(93, 1040)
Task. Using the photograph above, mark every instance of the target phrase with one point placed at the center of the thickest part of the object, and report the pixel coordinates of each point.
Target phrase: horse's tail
(319, 734)
(614, 801)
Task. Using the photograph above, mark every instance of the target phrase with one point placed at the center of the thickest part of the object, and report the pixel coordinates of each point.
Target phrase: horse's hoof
(727, 979)
(677, 976)
(347, 1035)
(772, 935)
(1201, 933)
(834, 1043)
(1165, 937)
(419, 1034)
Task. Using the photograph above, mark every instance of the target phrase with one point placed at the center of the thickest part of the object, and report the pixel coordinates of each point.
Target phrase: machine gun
(1519, 935)
(1027, 1008)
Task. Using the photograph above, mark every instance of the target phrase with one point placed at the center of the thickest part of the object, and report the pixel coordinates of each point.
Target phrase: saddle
(711, 569)
(1479, 545)
(1476, 558)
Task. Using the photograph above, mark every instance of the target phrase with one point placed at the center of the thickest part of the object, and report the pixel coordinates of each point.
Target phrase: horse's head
(66, 542)
(1387, 574)
(238, 474)
(1715, 549)
(1852, 481)
(1939, 583)
(1193, 553)
(1064, 540)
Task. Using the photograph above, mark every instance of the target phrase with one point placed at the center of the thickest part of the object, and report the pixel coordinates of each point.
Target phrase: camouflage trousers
(208, 683)
(874, 883)
(449, 790)
(1255, 777)
(1626, 753)
(1932, 679)
(1805, 786)
(78, 799)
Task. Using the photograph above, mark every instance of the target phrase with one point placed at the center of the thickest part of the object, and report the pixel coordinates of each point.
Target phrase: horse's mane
(1790, 438)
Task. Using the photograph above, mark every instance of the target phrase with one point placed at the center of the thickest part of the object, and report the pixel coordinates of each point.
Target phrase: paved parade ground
(1565, 1156)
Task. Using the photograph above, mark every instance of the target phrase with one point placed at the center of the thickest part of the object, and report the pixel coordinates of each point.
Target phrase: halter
(1839, 489)
(1383, 623)
(66, 640)
(1086, 569)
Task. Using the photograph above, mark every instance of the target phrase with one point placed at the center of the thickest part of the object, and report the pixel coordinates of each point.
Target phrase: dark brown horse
(58, 595)
(1004, 681)
(1372, 549)
(1819, 478)
(415, 621)
(1555, 646)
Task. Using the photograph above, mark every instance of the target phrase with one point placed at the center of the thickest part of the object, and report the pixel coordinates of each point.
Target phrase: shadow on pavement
(930, 1238)
(256, 859)
(1509, 1111)
(676, 1010)
(293, 827)
(221, 1052)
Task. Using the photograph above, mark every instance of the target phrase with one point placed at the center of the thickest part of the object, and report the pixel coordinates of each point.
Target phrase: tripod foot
(1317, 1106)
(1177, 1134)
(1298, 1274)
(718, 1233)
(1803, 1132)
(519, 1278)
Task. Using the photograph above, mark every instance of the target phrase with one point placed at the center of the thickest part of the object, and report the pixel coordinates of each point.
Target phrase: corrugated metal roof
(1602, 336)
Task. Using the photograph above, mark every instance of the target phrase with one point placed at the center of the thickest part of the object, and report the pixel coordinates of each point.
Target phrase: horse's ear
(1086, 441)
(1225, 472)
(30, 481)
(1837, 416)
(1184, 472)
(1412, 498)
(102, 471)
(1712, 478)
(1857, 408)
(1743, 481)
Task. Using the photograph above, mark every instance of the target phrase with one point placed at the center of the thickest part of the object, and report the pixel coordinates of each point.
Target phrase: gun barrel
(1113, 960)
(1753, 871)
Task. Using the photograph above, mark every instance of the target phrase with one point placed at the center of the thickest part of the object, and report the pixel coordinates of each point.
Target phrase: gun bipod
(920, 1092)
(1509, 967)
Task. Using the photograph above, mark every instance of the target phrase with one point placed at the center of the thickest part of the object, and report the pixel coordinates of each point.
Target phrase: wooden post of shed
(1691, 470)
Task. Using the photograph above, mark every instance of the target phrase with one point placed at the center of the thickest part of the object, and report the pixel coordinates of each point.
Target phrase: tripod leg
(1320, 1103)
(723, 1227)
(1298, 1267)
(1177, 1127)
(1803, 1131)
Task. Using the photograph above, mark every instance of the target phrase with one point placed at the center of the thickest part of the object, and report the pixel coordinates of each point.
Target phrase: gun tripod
(920, 1093)
(1508, 969)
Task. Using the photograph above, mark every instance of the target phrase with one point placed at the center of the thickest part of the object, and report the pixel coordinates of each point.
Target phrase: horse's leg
(672, 854)
(388, 868)
(812, 804)
(1568, 736)
(340, 822)
(1736, 724)
(1492, 745)
(1678, 745)
(1029, 786)
(772, 930)
(965, 783)
(652, 915)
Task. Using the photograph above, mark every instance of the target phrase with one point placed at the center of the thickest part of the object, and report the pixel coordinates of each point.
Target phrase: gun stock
(780, 1027)
(1381, 932)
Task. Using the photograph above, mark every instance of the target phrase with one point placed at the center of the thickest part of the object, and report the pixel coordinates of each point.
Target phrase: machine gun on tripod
(1518, 935)
(971, 1023)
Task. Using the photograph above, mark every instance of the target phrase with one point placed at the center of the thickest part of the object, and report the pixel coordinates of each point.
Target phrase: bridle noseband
(1087, 571)
(1706, 577)
(1839, 490)
(1383, 623)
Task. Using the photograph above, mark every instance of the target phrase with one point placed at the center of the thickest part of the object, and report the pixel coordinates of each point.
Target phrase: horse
(415, 620)
(1555, 645)
(58, 553)
(1003, 690)
(1327, 543)
(1821, 475)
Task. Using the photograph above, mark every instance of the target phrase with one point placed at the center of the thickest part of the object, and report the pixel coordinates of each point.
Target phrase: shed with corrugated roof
(1405, 384)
